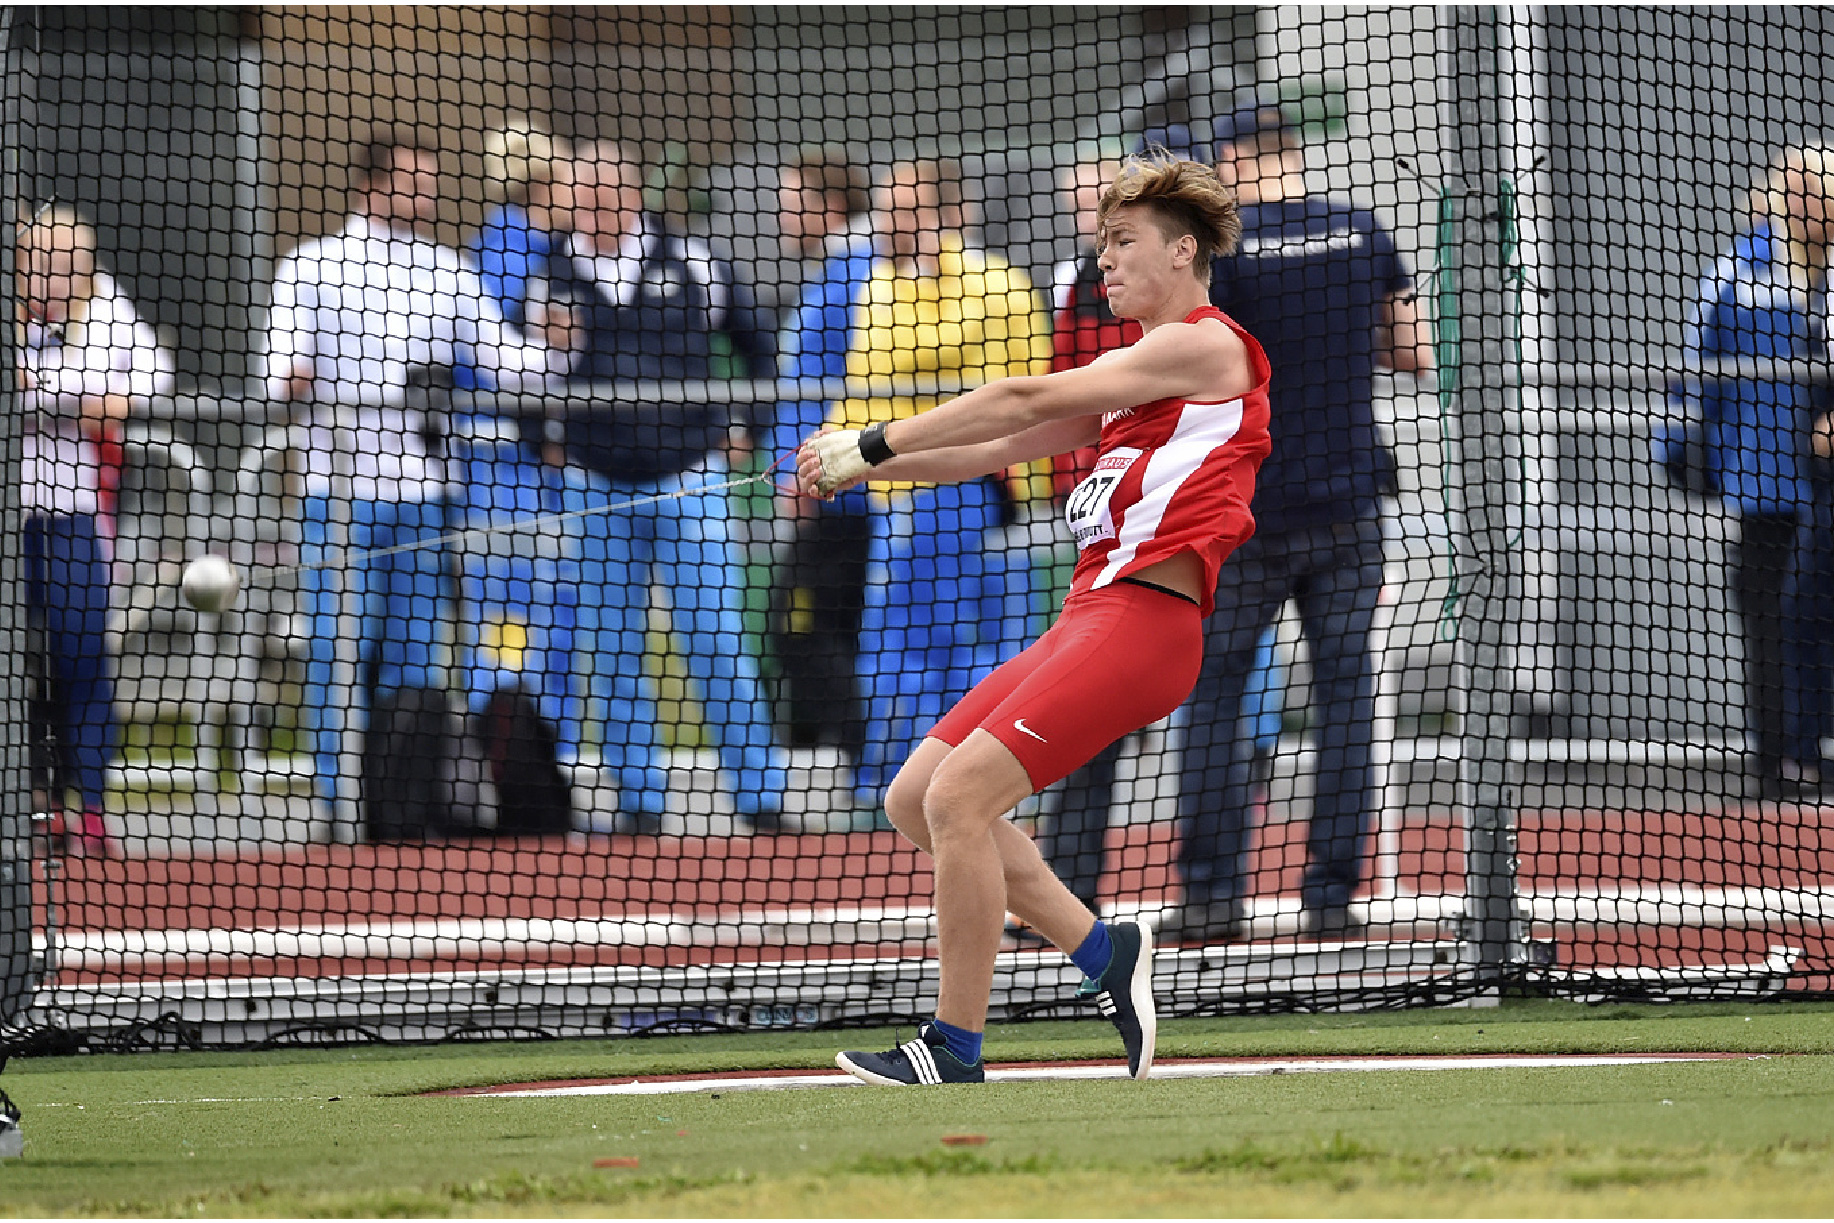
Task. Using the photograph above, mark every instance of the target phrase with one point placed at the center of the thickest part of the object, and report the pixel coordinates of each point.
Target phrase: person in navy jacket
(651, 304)
(1083, 328)
(1318, 281)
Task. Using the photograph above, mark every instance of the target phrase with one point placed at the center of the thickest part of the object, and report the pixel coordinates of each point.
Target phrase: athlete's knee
(952, 818)
(958, 804)
(904, 808)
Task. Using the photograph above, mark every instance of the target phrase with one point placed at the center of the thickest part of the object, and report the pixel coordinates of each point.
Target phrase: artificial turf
(346, 1131)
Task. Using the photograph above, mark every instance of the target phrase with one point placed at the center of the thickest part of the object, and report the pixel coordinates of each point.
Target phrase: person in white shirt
(84, 357)
(356, 319)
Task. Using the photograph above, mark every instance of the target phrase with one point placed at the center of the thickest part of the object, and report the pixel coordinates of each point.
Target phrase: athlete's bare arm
(1016, 420)
(1203, 361)
(955, 463)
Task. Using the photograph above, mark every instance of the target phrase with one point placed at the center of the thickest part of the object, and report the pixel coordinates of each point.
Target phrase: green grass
(346, 1132)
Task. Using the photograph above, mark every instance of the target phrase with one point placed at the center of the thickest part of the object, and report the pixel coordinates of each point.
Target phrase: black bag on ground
(520, 750)
(411, 787)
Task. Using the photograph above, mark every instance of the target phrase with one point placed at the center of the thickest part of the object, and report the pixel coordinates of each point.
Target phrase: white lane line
(1070, 1073)
(813, 925)
(190, 1100)
(435, 938)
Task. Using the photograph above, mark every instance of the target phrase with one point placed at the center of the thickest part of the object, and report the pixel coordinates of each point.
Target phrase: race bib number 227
(1090, 514)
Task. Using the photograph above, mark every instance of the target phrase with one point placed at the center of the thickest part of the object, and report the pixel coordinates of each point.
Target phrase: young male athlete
(1181, 421)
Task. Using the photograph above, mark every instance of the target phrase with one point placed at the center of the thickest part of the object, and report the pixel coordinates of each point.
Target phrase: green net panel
(480, 343)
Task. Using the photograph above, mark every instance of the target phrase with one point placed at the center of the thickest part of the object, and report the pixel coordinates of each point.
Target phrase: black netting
(479, 342)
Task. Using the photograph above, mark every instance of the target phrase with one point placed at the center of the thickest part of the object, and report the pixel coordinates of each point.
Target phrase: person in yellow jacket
(944, 604)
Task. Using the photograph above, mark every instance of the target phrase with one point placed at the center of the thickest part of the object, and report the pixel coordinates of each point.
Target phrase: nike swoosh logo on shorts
(1020, 726)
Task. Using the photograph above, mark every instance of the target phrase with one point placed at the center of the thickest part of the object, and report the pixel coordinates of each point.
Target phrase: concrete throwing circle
(1170, 1068)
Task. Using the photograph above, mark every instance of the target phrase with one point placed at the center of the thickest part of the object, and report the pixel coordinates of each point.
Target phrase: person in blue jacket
(824, 203)
(518, 612)
(510, 246)
(1765, 299)
(651, 305)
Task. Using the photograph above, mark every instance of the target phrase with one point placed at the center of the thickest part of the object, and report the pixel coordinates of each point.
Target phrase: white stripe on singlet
(1196, 437)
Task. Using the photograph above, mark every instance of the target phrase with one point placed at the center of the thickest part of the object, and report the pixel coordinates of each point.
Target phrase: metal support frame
(1490, 427)
(1474, 372)
(17, 968)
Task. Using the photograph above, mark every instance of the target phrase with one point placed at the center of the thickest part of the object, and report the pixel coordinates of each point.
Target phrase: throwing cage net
(479, 342)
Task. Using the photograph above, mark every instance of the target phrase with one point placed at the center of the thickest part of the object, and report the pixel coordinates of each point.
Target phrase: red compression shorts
(1119, 657)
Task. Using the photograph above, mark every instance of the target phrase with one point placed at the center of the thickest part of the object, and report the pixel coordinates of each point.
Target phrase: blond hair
(1770, 198)
(1185, 197)
(62, 228)
(518, 154)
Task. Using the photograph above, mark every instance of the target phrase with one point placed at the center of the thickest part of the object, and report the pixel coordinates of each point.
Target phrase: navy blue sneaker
(924, 1060)
(1124, 994)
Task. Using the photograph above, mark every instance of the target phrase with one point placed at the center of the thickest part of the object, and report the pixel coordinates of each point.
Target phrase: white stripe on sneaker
(922, 1061)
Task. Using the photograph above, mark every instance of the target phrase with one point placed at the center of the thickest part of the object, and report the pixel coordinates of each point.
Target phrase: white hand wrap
(841, 459)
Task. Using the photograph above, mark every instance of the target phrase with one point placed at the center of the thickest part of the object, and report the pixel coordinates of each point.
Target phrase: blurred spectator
(84, 355)
(653, 304)
(1076, 283)
(1083, 329)
(510, 245)
(824, 205)
(1765, 299)
(942, 610)
(517, 623)
(355, 318)
(1319, 283)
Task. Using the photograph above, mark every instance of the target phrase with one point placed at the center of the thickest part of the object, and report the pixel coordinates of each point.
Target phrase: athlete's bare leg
(904, 797)
(952, 802)
(1034, 894)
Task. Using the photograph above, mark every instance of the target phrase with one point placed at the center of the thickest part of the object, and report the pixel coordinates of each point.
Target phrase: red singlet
(1172, 476)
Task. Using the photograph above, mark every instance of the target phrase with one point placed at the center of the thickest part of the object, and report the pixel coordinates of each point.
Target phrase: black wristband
(873, 447)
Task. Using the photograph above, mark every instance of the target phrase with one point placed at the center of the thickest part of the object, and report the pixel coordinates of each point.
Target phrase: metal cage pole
(17, 968)
(1475, 333)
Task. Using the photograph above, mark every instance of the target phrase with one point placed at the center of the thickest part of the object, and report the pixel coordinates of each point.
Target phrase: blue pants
(1808, 632)
(1076, 844)
(402, 600)
(67, 595)
(1334, 574)
(520, 588)
(682, 544)
(941, 613)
